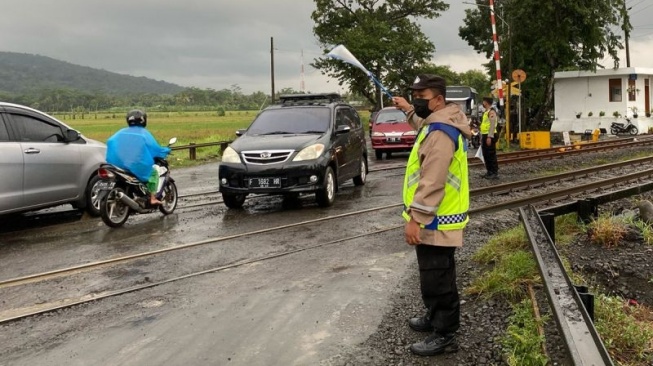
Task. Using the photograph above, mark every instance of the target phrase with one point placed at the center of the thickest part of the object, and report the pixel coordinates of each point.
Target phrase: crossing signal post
(512, 89)
(519, 76)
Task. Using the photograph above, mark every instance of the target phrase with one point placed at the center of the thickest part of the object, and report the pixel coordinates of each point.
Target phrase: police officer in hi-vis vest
(436, 201)
(489, 139)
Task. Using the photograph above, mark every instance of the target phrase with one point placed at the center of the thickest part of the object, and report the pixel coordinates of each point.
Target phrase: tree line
(63, 100)
(59, 100)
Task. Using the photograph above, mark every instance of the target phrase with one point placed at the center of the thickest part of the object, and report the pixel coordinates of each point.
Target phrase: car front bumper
(295, 177)
(381, 143)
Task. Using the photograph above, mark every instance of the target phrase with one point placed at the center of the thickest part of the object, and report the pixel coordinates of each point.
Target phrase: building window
(631, 90)
(615, 90)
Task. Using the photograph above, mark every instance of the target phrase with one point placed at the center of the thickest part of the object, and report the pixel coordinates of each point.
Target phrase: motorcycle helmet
(137, 117)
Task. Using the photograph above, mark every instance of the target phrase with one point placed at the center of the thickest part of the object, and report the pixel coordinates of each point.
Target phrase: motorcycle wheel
(614, 131)
(114, 212)
(169, 199)
(633, 130)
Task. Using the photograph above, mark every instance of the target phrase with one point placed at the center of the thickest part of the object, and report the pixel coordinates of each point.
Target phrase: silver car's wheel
(362, 175)
(327, 194)
(93, 197)
(113, 211)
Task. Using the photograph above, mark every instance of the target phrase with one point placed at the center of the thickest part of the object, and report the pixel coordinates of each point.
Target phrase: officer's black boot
(421, 324)
(436, 344)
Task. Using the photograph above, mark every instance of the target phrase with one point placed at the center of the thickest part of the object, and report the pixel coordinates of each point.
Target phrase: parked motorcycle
(122, 194)
(617, 128)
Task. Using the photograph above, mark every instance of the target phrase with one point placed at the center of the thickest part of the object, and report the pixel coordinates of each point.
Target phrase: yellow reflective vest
(485, 124)
(451, 214)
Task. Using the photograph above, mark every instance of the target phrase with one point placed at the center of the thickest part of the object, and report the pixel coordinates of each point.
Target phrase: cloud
(213, 44)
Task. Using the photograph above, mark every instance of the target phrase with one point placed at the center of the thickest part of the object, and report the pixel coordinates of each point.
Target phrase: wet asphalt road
(306, 308)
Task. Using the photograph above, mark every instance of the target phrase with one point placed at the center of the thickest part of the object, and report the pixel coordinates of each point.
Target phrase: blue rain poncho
(134, 149)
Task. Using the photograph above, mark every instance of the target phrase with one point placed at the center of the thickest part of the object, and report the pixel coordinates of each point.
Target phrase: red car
(391, 132)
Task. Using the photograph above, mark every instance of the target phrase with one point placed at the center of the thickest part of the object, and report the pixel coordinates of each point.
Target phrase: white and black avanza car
(309, 143)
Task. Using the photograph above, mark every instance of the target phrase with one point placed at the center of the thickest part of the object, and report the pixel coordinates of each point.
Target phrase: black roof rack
(322, 98)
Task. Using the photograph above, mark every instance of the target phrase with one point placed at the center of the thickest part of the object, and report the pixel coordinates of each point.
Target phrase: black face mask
(422, 107)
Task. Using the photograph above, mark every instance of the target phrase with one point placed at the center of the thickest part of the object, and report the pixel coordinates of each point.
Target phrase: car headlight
(310, 153)
(410, 133)
(230, 156)
(378, 134)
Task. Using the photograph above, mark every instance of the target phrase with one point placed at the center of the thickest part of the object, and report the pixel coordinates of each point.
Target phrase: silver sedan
(45, 163)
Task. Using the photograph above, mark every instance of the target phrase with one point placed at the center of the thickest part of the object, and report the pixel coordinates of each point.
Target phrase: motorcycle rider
(475, 140)
(134, 149)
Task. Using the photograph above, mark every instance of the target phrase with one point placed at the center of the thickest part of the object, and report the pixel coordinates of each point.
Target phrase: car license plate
(105, 186)
(393, 139)
(265, 183)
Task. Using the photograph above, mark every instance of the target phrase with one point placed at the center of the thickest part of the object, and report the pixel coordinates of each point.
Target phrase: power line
(642, 35)
(639, 2)
(646, 7)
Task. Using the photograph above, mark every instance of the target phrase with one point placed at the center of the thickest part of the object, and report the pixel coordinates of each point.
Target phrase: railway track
(505, 158)
(579, 335)
(548, 197)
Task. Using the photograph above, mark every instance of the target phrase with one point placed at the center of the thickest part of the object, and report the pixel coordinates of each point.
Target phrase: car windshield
(286, 121)
(390, 116)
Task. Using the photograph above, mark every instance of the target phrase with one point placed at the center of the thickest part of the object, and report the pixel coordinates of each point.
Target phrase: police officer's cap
(430, 81)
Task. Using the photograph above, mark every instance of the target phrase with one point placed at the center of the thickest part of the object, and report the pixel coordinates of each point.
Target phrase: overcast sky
(218, 43)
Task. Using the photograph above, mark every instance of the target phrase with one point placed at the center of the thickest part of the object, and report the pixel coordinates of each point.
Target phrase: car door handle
(32, 150)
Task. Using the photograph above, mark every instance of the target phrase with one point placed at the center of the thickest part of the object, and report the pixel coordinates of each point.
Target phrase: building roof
(603, 72)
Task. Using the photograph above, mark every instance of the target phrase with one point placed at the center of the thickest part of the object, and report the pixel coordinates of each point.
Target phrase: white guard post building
(586, 100)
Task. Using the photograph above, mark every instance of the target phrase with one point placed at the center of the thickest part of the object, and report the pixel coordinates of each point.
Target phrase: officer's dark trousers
(490, 155)
(437, 272)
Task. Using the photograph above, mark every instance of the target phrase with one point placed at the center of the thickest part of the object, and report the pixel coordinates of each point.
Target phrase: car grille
(264, 157)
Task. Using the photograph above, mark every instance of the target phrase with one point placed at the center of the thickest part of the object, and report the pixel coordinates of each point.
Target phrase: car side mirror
(342, 129)
(240, 132)
(72, 135)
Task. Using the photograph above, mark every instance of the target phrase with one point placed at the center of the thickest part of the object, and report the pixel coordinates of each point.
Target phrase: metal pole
(497, 58)
(272, 66)
(519, 109)
(627, 31)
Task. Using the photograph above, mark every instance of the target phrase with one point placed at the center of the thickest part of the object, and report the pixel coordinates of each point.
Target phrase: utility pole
(627, 31)
(272, 66)
(302, 85)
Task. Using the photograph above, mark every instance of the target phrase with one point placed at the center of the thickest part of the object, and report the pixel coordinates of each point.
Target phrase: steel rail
(474, 192)
(49, 274)
(525, 155)
(580, 337)
(68, 303)
(572, 151)
(506, 186)
(62, 304)
(533, 182)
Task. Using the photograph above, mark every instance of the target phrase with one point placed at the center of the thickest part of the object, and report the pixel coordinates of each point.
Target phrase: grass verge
(522, 338)
(514, 266)
(626, 331)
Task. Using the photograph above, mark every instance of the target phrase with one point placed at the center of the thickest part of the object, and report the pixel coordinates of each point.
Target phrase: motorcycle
(628, 127)
(121, 194)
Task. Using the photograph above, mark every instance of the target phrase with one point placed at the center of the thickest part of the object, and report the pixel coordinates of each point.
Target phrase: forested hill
(22, 73)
